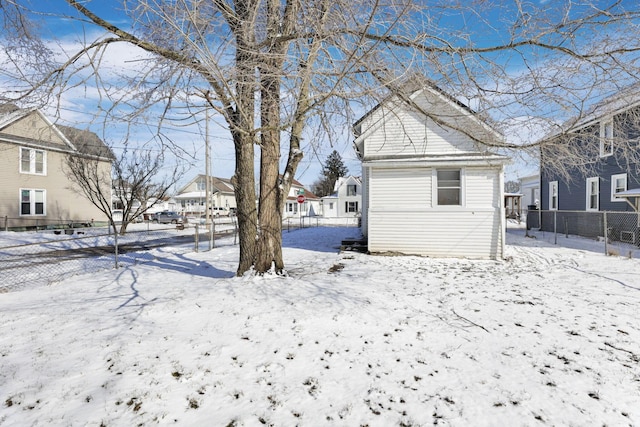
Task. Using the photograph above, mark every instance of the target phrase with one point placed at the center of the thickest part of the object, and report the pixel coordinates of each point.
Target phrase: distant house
(310, 206)
(346, 199)
(610, 128)
(35, 190)
(530, 189)
(191, 198)
(428, 187)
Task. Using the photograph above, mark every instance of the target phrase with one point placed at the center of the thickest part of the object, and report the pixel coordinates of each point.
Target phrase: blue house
(610, 137)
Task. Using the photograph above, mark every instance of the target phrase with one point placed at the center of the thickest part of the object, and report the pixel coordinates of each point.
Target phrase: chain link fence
(37, 258)
(620, 231)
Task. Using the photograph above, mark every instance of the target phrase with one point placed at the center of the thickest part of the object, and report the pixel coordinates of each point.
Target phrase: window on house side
(351, 207)
(618, 184)
(593, 194)
(553, 195)
(449, 186)
(606, 138)
(32, 161)
(32, 202)
(351, 190)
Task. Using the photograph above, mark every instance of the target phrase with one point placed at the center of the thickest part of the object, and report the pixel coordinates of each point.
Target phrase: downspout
(501, 211)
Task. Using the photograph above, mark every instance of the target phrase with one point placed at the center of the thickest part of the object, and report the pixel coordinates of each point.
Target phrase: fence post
(555, 227)
(115, 236)
(196, 238)
(6, 223)
(606, 235)
(212, 242)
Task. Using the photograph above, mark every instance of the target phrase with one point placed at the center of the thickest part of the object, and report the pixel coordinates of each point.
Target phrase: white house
(346, 199)
(294, 209)
(530, 189)
(191, 198)
(428, 187)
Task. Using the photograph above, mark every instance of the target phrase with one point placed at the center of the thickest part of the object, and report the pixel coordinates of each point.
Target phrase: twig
(473, 323)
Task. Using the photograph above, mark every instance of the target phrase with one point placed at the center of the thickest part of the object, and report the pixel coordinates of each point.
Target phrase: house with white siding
(309, 207)
(346, 199)
(429, 186)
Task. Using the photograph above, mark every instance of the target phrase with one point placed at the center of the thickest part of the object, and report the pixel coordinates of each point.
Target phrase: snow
(549, 336)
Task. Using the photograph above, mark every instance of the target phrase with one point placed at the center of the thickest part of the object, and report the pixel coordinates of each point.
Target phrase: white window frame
(436, 187)
(33, 201)
(614, 180)
(352, 187)
(553, 193)
(32, 161)
(606, 138)
(590, 194)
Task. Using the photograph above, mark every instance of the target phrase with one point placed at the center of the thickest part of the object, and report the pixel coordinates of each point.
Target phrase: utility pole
(207, 168)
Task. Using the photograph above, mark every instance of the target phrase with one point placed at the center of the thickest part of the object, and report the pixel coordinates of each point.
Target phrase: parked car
(219, 211)
(167, 217)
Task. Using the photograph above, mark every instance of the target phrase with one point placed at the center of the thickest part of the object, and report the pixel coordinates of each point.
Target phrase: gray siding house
(608, 132)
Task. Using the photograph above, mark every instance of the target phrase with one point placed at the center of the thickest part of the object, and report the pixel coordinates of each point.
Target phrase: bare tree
(135, 178)
(332, 169)
(274, 68)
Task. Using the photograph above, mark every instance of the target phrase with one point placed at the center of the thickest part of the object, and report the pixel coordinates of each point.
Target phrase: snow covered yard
(549, 337)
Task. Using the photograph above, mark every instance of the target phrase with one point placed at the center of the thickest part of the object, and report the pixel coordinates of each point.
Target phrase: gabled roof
(344, 179)
(86, 142)
(223, 185)
(609, 106)
(307, 194)
(404, 96)
(77, 141)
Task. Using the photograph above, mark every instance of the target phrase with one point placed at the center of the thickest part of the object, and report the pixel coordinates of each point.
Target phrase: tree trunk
(242, 123)
(269, 248)
(244, 185)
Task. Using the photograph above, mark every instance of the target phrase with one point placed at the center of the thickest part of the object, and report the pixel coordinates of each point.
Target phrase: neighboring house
(530, 190)
(191, 198)
(611, 127)
(310, 207)
(428, 187)
(35, 190)
(346, 199)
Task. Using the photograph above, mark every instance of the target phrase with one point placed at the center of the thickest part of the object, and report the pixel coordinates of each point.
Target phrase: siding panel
(446, 233)
(400, 188)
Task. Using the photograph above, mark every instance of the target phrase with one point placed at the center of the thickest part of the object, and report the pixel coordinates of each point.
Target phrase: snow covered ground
(551, 336)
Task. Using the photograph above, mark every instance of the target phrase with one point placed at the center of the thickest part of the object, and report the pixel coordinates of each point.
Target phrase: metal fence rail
(620, 231)
(42, 257)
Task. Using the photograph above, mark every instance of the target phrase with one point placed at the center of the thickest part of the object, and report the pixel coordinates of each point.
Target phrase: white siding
(393, 189)
(401, 217)
(408, 134)
(482, 188)
(446, 233)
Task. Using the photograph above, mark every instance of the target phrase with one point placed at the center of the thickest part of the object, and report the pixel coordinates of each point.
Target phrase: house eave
(438, 161)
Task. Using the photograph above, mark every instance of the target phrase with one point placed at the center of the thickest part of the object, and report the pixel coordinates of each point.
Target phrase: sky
(78, 104)
(549, 336)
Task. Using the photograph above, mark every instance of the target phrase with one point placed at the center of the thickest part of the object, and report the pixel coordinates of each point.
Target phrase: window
(201, 185)
(351, 207)
(449, 186)
(593, 194)
(618, 184)
(553, 195)
(330, 205)
(32, 202)
(606, 138)
(33, 161)
(351, 190)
